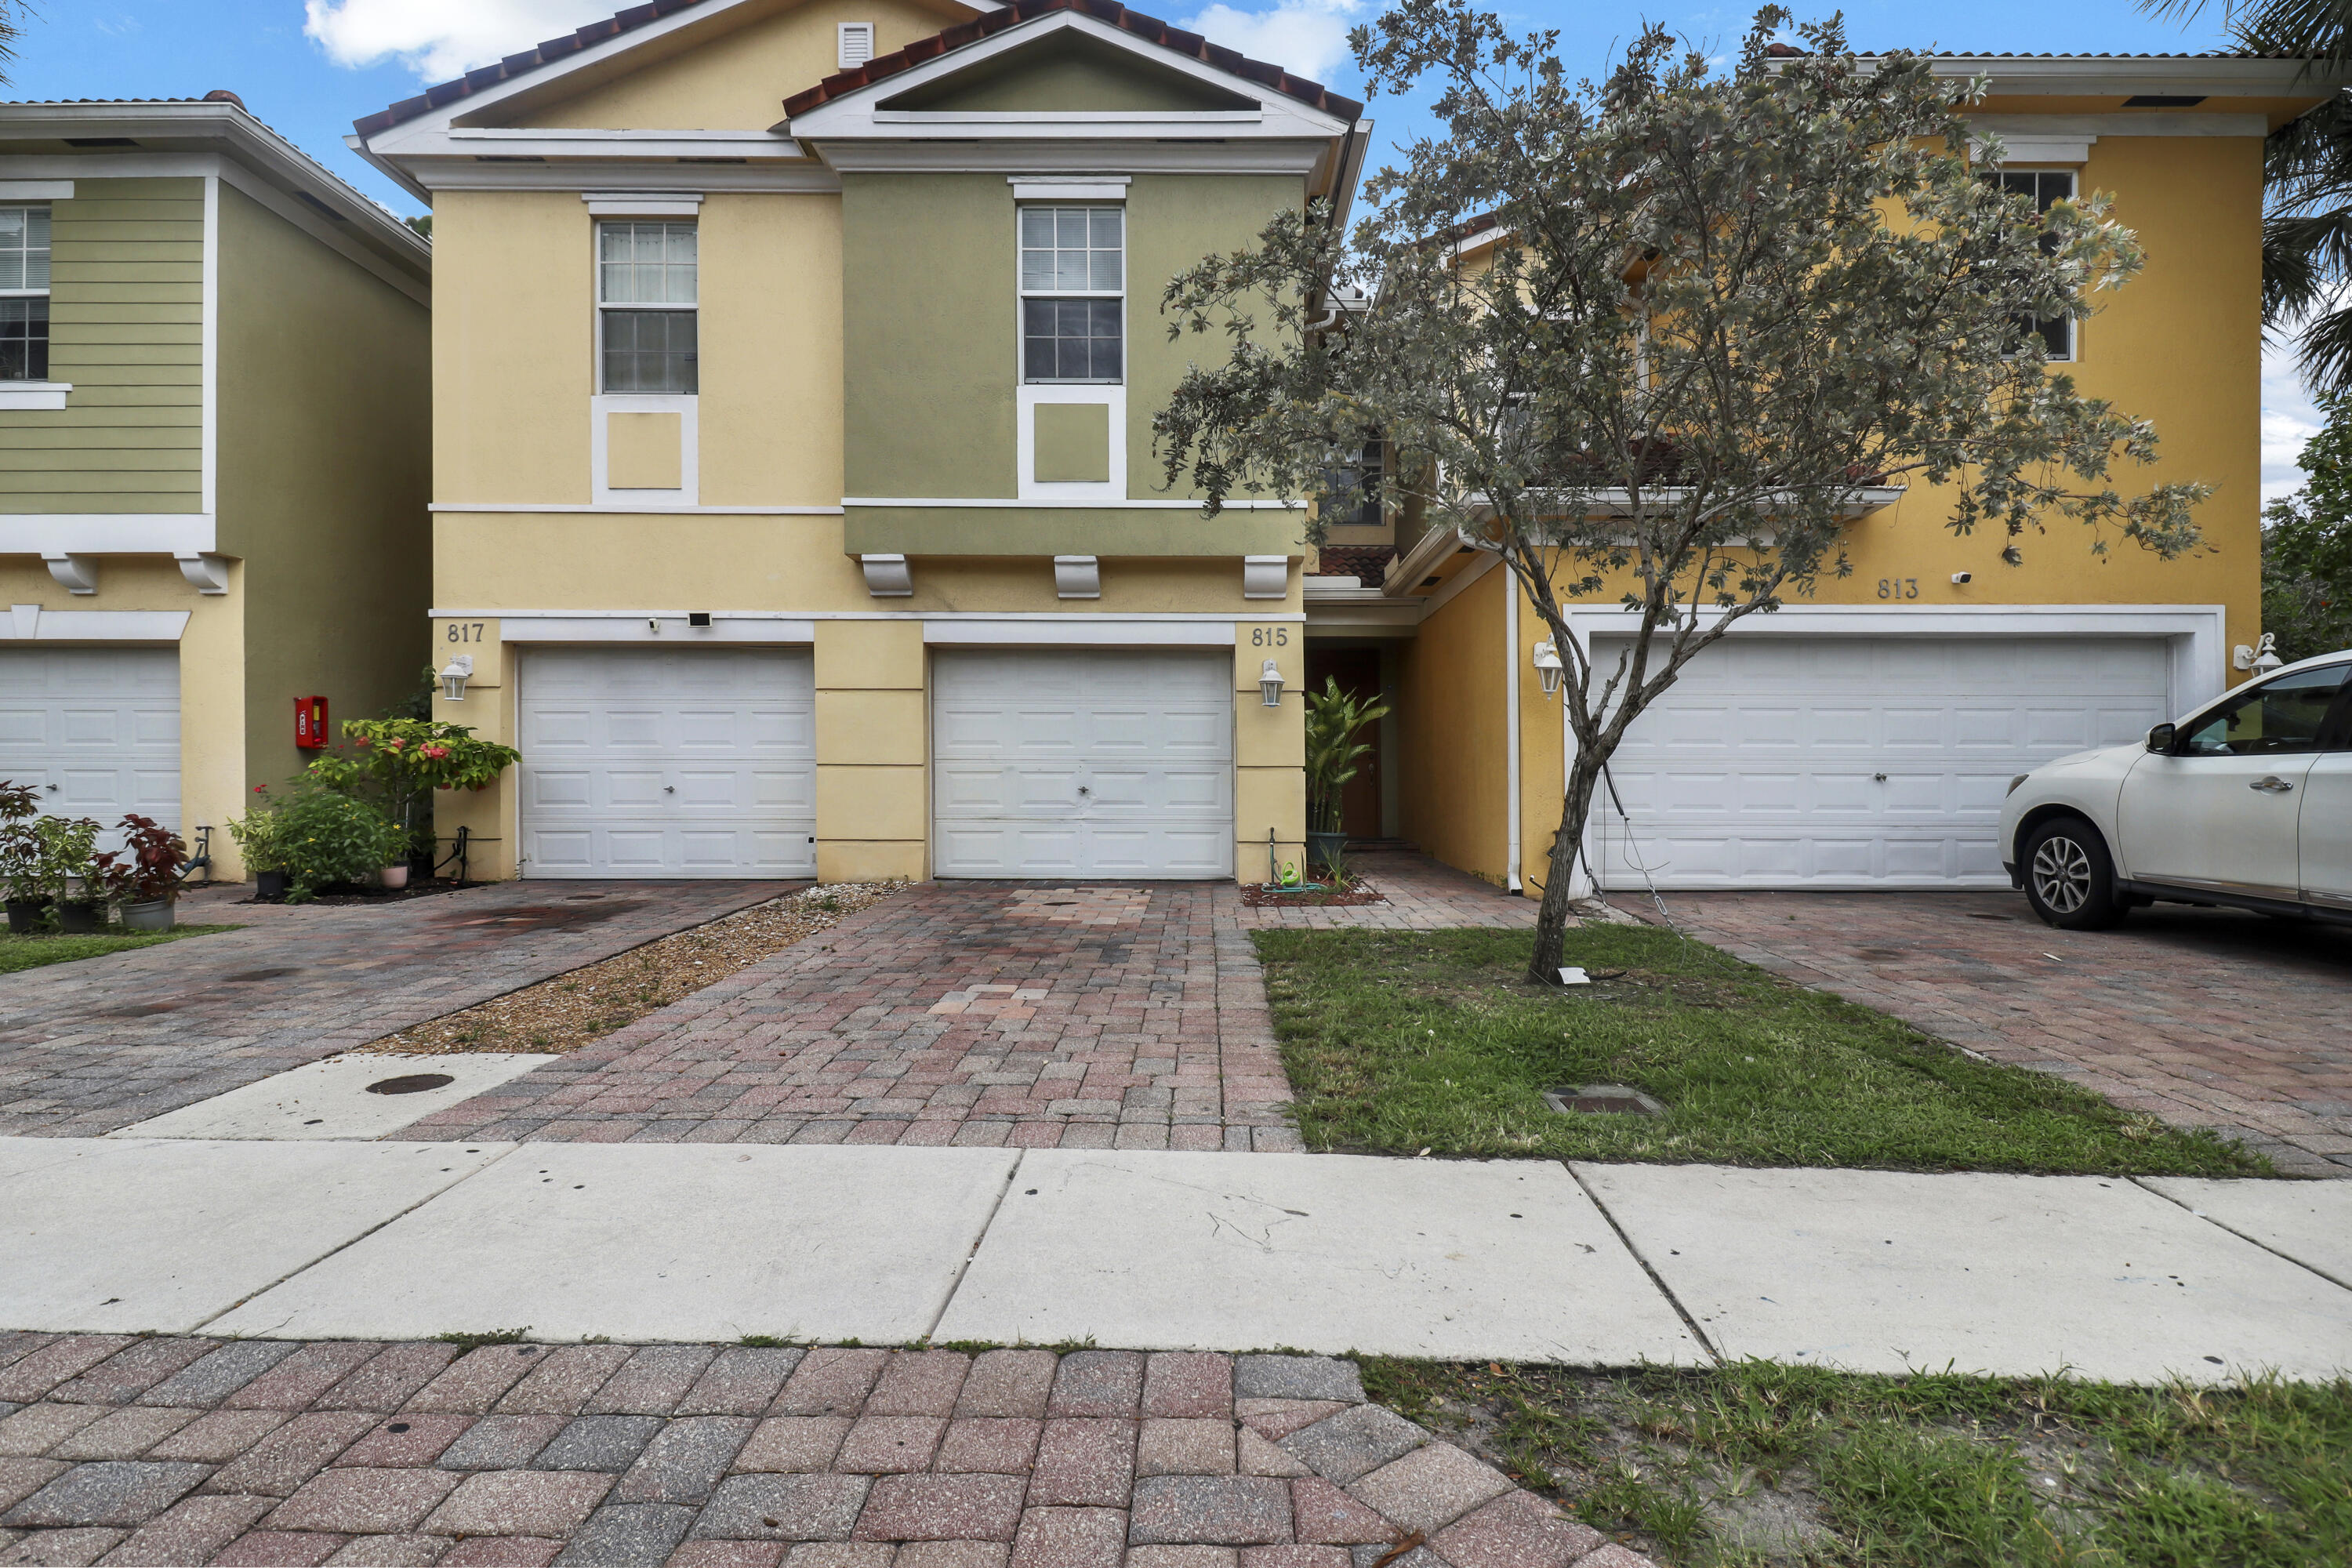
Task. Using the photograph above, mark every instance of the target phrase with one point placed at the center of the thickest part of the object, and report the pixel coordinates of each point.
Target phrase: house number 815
(1269, 637)
(1898, 587)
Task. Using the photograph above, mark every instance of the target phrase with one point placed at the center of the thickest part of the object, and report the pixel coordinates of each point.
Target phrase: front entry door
(2223, 810)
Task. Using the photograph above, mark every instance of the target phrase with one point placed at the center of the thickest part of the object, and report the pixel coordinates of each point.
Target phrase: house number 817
(462, 631)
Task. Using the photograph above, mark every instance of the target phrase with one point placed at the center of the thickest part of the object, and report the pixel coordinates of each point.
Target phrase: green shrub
(324, 836)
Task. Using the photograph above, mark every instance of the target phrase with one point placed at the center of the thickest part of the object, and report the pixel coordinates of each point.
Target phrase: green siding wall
(1067, 74)
(126, 324)
(928, 351)
(325, 471)
(1173, 221)
(930, 361)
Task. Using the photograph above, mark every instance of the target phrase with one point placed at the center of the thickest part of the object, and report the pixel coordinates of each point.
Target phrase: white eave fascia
(1435, 545)
(567, 143)
(233, 132)
(1095, 154)
(2018, 75)
(613, 176)
(854, 114)
(1602, 503)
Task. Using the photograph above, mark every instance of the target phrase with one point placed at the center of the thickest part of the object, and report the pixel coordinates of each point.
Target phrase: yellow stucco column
(1269, 748)
(873, 743)
(494, 814)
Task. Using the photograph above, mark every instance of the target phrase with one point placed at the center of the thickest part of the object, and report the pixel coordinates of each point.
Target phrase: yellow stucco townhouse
(1865, 737)
(213, 445)
(795, 507)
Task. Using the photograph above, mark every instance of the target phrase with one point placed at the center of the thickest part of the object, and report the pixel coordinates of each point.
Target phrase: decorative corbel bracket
(205, 574)
(1077, 578)
(888, 576)
(1266, 577)
(74, 573)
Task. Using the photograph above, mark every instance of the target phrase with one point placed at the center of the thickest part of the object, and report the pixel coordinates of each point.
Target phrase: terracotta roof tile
(1367, 564)
(1150, 28)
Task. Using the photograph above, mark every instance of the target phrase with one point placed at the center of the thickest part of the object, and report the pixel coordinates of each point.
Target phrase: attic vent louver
(856, 44)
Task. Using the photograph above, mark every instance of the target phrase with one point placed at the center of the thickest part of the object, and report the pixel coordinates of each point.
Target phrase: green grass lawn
(32, 952)
(1398, 1042)
(1754, 1464)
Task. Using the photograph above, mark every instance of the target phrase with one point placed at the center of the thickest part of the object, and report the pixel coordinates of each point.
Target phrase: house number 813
(1898, 587)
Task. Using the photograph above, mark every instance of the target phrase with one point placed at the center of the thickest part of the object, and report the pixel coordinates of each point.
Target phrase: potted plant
(68, 871)
(260, 838)
(1334, 755)
(144, 876)
(20, 859)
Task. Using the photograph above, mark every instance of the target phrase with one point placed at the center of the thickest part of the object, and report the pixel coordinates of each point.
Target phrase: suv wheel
(2070, 880)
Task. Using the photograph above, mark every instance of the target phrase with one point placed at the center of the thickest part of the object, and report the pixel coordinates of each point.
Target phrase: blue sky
(310, 66)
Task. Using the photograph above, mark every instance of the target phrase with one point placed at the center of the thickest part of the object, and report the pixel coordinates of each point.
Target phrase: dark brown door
(1358, 671)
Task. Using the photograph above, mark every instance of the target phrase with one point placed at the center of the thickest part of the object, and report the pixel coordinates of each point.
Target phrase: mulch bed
(572, 1010)
(1267, 895)
(357, 893)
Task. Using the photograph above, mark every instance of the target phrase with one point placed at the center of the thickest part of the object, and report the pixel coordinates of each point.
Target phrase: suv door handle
(2272, 786)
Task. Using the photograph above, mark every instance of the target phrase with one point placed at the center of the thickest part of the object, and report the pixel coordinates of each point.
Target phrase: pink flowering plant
(396, 764)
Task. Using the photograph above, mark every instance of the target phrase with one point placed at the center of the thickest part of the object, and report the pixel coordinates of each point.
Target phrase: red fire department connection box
(311, 722)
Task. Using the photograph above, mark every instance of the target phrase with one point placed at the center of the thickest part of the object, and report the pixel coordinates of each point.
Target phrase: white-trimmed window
(24, 293)
(1073, 294)
(2044, 188)
(647, 322)
(856, 40)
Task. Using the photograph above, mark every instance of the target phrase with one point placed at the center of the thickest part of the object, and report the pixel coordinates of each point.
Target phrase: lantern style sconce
(1269, 685)
(454, 676)
(1548, 667)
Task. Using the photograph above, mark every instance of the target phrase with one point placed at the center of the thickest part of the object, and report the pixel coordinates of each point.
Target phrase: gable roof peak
(1149, 30)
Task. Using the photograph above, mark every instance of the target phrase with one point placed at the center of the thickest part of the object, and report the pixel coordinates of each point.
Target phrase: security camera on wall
(1963, 576)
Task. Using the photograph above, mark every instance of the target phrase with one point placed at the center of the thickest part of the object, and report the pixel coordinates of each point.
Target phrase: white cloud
(2289, 419)
(439, 38)
(1305, 37)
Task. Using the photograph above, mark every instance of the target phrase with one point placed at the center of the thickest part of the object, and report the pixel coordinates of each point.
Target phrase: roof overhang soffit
(855, 114)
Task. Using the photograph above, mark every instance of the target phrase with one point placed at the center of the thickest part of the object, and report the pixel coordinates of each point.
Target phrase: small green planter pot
(156, 914)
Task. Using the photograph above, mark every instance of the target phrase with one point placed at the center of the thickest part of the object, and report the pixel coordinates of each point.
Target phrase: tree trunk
(1552, 920)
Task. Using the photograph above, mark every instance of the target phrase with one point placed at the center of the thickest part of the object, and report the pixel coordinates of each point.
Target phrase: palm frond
(2323, 353)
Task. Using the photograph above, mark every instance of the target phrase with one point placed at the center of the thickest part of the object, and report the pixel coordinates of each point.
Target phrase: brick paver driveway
(969, 1013)
(259, 1451)
(2204, 1017)
(89, 1047)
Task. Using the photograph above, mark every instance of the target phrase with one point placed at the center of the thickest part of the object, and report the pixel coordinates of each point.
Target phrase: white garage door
(96, 730)
(1858, 762)
(668, 762)
(1083, 763)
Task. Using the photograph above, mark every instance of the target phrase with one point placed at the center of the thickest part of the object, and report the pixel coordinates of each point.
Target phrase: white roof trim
(2019, 74)
(853, 114)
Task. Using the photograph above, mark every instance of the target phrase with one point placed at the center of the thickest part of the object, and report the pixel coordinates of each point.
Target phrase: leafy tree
(396, 764)
(2307, 548)
(1724, 305)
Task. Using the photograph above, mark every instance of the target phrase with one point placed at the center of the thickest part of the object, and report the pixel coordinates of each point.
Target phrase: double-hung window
(2044, 188)
(23, 294)
(645, 294)
(1073, 294)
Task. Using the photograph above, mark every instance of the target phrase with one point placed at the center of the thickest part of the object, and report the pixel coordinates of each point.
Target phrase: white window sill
(34, 393)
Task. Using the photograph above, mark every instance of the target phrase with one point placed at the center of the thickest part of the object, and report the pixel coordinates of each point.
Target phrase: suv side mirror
(2160, 738)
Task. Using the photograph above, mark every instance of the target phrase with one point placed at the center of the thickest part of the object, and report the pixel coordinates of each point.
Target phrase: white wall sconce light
(2261, 658)
(1549, 667)
(1269, 685)
(454, 676)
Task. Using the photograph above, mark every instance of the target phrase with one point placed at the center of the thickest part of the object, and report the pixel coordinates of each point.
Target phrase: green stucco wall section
(325, 415)
(930, 315)
(928, 358)
(1067, 74)
(126, 314)
(1070, 530)
(1174, 222)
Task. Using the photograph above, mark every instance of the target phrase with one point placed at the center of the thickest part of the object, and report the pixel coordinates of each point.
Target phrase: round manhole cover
(410, 1083)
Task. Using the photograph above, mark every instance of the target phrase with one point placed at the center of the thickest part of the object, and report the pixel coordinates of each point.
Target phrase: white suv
(2245, 803)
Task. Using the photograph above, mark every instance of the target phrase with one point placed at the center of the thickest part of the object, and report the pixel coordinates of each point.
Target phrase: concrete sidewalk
(1516, 1260)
